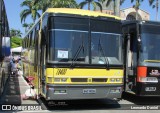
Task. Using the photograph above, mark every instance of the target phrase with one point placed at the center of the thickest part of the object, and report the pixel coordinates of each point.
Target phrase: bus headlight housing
(63, 79)
(118, 80)
(115, 80)
(57, 80)
(60, 79)
(112, 80)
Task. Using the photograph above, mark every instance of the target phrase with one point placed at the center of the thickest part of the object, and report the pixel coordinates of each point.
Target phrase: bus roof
(80, 12)
(72, 11)
(143, 22)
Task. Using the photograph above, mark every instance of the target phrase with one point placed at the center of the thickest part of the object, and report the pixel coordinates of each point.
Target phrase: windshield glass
(150, 49)
(64, 45)
(106, 47)
(84, 41)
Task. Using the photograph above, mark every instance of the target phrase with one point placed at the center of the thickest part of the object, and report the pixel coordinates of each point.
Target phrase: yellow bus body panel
(84, 76)
(80, 12)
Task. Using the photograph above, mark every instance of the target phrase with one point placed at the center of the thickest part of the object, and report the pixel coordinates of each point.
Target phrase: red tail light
(141, 72)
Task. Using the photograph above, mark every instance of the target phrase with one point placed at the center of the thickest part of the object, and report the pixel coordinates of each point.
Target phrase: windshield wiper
(77, 53)
(102, 51)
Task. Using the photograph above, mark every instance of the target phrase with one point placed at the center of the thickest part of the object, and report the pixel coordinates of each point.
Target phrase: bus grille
(89, 80)
(79, 79)
(99, 80)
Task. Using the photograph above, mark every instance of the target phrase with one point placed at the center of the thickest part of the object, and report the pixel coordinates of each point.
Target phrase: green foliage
(14, 32)
(44, 4)
(94, 3)
(32, 9)
(16, 42)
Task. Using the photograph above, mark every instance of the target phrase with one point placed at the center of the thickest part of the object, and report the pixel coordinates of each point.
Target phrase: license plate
(150, 88)
(89, 91)
(151, 79)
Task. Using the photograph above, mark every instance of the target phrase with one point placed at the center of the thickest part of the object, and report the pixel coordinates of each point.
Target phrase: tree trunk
(157, 9)
(89, 6)
(25, 29)
(117, 7)
(136, 14)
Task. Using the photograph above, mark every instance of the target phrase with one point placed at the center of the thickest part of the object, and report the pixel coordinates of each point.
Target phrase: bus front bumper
(70, 92)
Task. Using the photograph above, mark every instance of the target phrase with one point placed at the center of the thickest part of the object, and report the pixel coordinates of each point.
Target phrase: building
(126, 14)
(130, 14)
(113, 8)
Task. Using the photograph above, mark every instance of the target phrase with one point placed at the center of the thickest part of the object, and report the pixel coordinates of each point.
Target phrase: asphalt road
(129, 102)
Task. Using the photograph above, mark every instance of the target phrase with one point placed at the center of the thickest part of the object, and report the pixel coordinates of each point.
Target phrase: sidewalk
(15, 87)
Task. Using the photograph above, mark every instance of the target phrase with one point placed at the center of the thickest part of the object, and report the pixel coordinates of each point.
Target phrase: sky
(13, 9)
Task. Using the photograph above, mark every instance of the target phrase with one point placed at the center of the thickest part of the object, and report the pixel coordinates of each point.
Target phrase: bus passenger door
(42, 64)
(39, 64)
(130, 61)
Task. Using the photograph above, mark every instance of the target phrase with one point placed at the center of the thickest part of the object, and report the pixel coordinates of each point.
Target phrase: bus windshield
(150, 49)
(64, 45)
(106, 47)
(75, 41)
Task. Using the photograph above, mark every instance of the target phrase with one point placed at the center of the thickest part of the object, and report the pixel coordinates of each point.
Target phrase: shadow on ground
(81, 104)
(11, 94)
(141, 100)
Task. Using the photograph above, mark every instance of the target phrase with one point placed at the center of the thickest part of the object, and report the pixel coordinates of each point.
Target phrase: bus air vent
(79, 79)
(99, 80)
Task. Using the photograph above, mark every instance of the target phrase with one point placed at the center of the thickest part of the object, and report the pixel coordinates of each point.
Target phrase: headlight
(49, 79)
(64, 80)
(57, 80)
(112, 80)
(60, 80)
(118, 79)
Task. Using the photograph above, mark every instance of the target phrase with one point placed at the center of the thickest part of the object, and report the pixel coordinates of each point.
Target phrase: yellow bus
(75, 54)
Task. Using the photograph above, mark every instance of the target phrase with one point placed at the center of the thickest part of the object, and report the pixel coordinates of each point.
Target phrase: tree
(32, 9)
(116, 6)
(14, 32)
(94, 3)
(16, 39)
(64, 4)
(136, 6)
(30, 25)
(16, 42)
(25, 25)
(18, 34)
(155, 4)
(44, 4)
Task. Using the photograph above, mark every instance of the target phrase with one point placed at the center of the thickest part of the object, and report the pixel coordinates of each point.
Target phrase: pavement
(15, 87)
